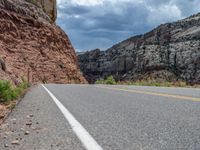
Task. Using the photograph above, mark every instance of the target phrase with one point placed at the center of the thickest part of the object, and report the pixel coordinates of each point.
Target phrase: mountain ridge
(173, 49)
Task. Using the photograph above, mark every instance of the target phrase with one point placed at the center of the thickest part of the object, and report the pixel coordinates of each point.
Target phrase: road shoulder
(37, 123)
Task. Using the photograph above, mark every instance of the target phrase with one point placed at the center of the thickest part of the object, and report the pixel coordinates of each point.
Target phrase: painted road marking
(86, 139)
(154, 94)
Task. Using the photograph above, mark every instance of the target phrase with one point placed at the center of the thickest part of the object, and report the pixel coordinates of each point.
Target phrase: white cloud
(102, 23)
(81, 2)
(163, 14)
(87, 2)
(95, 2)
(59, 2)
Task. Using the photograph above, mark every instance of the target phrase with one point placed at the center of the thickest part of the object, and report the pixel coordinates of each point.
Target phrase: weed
(9, 93)
(108, 80)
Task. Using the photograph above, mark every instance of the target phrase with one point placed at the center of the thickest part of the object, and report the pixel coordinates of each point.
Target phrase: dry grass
(148, 82)
(156, 83)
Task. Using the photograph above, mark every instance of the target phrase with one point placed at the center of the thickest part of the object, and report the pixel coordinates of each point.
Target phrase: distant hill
(169, 52)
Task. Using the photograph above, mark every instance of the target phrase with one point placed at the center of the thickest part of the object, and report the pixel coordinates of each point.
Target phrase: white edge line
(87, 140)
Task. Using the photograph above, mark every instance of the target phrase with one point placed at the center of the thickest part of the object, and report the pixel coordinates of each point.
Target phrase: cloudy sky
(94, 24)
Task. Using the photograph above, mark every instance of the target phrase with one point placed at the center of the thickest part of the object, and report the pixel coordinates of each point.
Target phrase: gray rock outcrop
(171, 51)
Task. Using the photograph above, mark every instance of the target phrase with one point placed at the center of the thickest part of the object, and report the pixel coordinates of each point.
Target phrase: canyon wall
(49, 7)
(33, 48)
(170, 52)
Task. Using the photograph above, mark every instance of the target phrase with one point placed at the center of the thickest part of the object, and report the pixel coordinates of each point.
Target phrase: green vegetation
(9, 93)
(157, 83)
(108, 80)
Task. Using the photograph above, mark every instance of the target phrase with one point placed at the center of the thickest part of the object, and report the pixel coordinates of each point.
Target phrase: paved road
(115, 117)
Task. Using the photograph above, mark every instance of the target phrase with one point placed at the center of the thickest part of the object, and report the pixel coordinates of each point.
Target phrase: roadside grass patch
(157, 83)
(149, 82)
(9, 92)
(109, 80)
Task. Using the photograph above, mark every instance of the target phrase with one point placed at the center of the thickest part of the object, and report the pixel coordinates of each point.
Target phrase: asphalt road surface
(96, 117)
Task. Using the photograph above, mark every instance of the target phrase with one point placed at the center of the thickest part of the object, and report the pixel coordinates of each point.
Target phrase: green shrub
(99, 82)
(147, 82)
(156, 83)
(24, 84)
(9, 93)
(6, 91)
(108, 80)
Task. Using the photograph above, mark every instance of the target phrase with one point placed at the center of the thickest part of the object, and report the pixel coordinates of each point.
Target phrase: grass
(109, 80)
(150, 82)
(9, 92)
(157, 83)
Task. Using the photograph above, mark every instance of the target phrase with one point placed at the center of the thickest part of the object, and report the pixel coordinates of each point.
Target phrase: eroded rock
(33, 48)
(49, 6)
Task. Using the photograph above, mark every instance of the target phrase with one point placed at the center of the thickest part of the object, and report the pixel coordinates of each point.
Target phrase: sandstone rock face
(25, 9)
(32, 48)
(49, 6)
(171, 51)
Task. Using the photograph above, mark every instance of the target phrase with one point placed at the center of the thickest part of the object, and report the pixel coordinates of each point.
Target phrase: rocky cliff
(170, 52)
(49, 7)
(33, 48)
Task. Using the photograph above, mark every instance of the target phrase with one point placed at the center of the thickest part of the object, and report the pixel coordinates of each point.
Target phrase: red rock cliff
(31, 47)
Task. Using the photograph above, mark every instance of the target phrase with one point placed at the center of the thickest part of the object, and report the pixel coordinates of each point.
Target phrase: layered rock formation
(49, 6)
(169, 52)
(32, 48)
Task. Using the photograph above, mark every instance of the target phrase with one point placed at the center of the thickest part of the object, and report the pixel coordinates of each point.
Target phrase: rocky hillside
(33, 48)
(49, 7)
(169, 52)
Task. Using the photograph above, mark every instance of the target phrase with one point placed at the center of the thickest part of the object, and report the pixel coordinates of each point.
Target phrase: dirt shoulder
(5, 110)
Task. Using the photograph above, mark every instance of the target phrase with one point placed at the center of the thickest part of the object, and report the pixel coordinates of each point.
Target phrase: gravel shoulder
(37, 124)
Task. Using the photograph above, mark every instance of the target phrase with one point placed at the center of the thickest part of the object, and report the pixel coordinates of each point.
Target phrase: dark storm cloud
(101, 25)
(71, 10)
